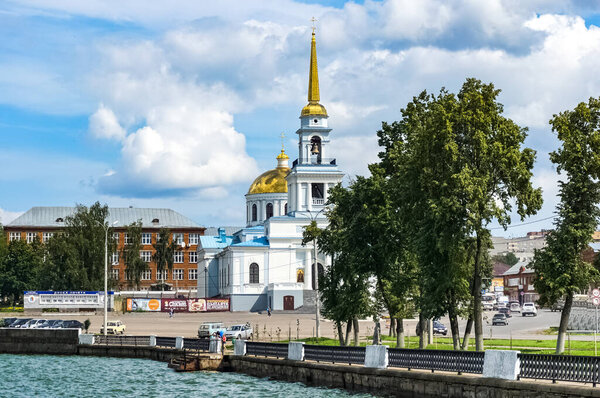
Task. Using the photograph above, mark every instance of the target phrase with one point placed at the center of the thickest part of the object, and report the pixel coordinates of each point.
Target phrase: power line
(526, 223)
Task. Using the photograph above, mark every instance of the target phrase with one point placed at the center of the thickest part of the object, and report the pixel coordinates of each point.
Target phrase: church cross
(314, 20)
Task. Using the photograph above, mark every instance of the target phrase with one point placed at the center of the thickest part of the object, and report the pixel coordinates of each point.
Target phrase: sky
(181, 104)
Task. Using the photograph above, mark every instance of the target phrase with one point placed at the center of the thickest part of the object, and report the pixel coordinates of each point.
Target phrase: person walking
(269, 311)
(171, 313)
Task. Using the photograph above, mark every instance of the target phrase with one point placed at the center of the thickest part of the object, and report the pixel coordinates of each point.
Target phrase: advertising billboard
(217, 304)
(66, 299)
(196, 305)
(143, 304)
(177, 305)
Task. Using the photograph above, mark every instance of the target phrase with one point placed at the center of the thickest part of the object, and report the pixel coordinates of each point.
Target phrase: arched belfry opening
(315, 149)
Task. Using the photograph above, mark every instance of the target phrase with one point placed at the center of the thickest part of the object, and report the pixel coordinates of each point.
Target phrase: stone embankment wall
(401, 383)
(39, 341)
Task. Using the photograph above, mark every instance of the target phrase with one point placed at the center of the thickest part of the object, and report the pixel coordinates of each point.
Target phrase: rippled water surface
(74, 376)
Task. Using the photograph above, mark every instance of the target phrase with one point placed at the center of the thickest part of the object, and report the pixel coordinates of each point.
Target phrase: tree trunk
(399, 333)
(348, 330)
(422, 332)
(465, 342)
(454, 324)
(340, 333)
(564, 322)
(392, 327)
(477, 305)
(356, 330)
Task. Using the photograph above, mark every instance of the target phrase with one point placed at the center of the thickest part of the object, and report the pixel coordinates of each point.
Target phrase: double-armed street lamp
(316, 272)
(106, 226)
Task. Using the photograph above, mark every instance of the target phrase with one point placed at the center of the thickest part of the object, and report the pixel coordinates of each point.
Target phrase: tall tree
(134, 265)
(21, 270)
(561, 270)
(164, 251)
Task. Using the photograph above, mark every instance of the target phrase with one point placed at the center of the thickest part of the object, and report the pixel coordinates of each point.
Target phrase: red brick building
(44, 222)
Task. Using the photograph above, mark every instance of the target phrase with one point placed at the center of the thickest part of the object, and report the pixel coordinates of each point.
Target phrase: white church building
(265, 265)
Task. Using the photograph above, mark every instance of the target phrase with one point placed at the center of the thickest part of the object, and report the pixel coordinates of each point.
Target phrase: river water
(77, 376)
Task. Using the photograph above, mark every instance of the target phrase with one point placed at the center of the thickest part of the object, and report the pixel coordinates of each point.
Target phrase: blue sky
(181, 105)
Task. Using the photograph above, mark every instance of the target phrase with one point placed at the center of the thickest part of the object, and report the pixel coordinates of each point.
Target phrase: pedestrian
(269, 311)
(223, 341)
(171, 313)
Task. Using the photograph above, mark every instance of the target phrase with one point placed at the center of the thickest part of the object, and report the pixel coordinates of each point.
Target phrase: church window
(254, 212)
(269, 210)
(318, 193)
(285, 209)
(300, 276)
(315, 148)
(253, 273)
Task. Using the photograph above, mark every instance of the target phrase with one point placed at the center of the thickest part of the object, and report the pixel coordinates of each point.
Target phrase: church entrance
(288, 303)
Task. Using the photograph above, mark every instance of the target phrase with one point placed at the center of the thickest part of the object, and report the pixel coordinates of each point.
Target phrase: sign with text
(217, 304)
(143, 304)
(196, 305)
(177, 305)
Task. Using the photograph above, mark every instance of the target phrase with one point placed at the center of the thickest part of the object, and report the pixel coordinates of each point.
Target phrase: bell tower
(315, 170)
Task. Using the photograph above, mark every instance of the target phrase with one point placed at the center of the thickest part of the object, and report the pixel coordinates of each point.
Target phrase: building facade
(265, 265)
(43, 222)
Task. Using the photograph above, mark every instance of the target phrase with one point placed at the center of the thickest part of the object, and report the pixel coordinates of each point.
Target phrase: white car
(515, 307)
(529, 309)
(488, 306)
(239, 332)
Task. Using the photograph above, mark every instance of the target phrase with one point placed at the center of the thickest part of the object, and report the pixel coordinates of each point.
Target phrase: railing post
(152, 342)
(179, 343)
(215, 345)
(501, 364)
(376, 356)
(239, 347)
(87, 339)
(296, 351)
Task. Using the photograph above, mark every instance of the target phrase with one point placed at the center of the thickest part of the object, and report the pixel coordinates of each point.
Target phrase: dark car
(71, 324)
(6, 322)
(20, 322)
(499, 319)
(439, 328)
(505, 311)
(51, 324)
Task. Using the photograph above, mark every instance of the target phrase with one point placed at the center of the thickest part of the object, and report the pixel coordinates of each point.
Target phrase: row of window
(269, 212)
(254, 275)
(146, 256)
(193, 239)
(164, 275)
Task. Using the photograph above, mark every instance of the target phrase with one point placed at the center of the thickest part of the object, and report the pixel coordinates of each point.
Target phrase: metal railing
(335, 354)
(277, 350)
(123, 340)
(166, 341)
(315, 162)
(445, 360)
(583, 369)
(196, 344)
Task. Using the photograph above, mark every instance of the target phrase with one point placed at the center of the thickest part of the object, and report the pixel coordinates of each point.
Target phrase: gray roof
(514, 270)
(214, 231)
(48, 216)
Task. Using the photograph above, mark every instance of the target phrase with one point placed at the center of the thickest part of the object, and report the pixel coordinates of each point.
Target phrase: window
(193, 274)
(178, 257)
(127, 238)
(46, 236)
(162, 275)
(59, 219)
(146, 256)
(315, 148)
(254, 212)
(115, 258)
(285, 209)
(177, 274)
(116, 237)
(269, 210)
(155, 221)
(31, 237)
(146, 275)
(300, 276)
(115, 274)
(178, 238)
(253, 273)
(194, 257)
(15, 236)
(146, 238)
(193, 239)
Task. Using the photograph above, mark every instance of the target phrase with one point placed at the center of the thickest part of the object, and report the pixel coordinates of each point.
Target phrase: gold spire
(313, 107)
(282, 155)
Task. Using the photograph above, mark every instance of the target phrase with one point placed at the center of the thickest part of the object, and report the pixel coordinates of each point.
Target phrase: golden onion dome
(272, 181)
(313, 109)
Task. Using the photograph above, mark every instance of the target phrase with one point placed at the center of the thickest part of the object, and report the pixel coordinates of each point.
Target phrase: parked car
(500, 319)
(558, 306)
(515, 307)
(113, 327)
(35, 323)
(529, 309)
(19, 322)
(488, 306)
(51, 324)
(71, 324)
(505, 311)
(439, 328)
(6, 322)
(207, 329)
(239, 332)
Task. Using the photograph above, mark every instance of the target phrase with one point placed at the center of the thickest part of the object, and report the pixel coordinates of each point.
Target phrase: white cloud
(104, 124)
(8, 216)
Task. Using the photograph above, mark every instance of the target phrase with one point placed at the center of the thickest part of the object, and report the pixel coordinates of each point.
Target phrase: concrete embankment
(401, 383)
(39, 341)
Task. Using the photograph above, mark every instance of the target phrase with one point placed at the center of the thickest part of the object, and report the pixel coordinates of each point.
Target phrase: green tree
(134, 265)
(506, 258)
(22, 267)
(164, 251)
(561, 270)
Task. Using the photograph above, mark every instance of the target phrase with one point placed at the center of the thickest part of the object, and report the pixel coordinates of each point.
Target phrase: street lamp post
(316, 273)
(106, 226)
